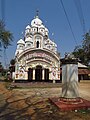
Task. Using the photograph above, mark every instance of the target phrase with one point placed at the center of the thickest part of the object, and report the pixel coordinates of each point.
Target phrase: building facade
(36, 55)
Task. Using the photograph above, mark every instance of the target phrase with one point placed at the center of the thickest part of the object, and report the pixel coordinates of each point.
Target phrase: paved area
(31, 103)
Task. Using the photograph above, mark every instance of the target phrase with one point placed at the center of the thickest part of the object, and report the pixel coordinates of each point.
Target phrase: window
(38, 39)
(20, 47)
(37, 44)
(28, 45)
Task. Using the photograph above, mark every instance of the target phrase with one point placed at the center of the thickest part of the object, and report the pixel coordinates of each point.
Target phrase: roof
(83, 71)
(28, 39)
(21, 42)
(80, 71)
(36, 22)
(81, 65)
(28, 27)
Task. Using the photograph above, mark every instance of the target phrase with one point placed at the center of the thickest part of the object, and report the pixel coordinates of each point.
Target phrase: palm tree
(5, 36)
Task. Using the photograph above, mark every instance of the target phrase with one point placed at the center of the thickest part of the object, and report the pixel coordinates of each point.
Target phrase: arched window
(28, 45)
(37, 44)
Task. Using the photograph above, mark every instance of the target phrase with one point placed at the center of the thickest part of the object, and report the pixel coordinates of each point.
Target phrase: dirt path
(33, 104)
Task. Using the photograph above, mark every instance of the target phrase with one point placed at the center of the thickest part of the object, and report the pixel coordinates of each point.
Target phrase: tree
(12, 66)
(83, 52)
(5, 36)
(86, 45)
(1, 67)
(12, 62)
(79, 53)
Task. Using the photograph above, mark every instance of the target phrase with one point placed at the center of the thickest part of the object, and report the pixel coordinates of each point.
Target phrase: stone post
(42, 74)
(70, 78)
(33, 74)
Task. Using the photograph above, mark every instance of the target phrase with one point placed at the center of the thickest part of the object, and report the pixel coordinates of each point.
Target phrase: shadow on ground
(32, 105)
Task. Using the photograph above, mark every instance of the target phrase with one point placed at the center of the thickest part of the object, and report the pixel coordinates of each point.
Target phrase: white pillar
(33, 74)
(70, 80)
(42, 74)
(53, 81)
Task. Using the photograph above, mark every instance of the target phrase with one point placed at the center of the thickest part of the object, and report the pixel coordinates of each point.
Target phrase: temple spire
(37, 13)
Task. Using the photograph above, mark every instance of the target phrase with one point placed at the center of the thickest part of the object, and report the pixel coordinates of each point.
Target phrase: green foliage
(79, 53)
(12, 65)
(5, 36)
(2, 70)
(12, 62)
(83, 52)
(86, 45)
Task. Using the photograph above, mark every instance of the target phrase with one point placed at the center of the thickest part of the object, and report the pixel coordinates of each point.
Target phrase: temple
(37, 58)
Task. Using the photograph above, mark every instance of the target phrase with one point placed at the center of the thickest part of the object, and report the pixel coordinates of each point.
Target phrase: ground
(30, 102)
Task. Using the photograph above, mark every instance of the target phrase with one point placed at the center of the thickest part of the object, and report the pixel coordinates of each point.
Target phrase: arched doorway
(46, 74)
(30, 74)
(38, 73)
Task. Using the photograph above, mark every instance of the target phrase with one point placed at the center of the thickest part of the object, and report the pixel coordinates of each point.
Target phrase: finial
(37, 13)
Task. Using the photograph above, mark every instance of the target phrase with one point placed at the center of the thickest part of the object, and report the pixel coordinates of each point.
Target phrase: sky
(19, 13)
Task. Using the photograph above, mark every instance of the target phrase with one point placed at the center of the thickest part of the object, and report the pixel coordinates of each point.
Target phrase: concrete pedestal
(70, 99)
(70, 81)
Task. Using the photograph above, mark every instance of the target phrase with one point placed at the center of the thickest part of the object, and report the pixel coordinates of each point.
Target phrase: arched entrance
(30, 74)
(46, 74)
(38, 73)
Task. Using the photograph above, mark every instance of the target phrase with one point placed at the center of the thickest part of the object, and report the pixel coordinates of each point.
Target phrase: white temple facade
(36, 55)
